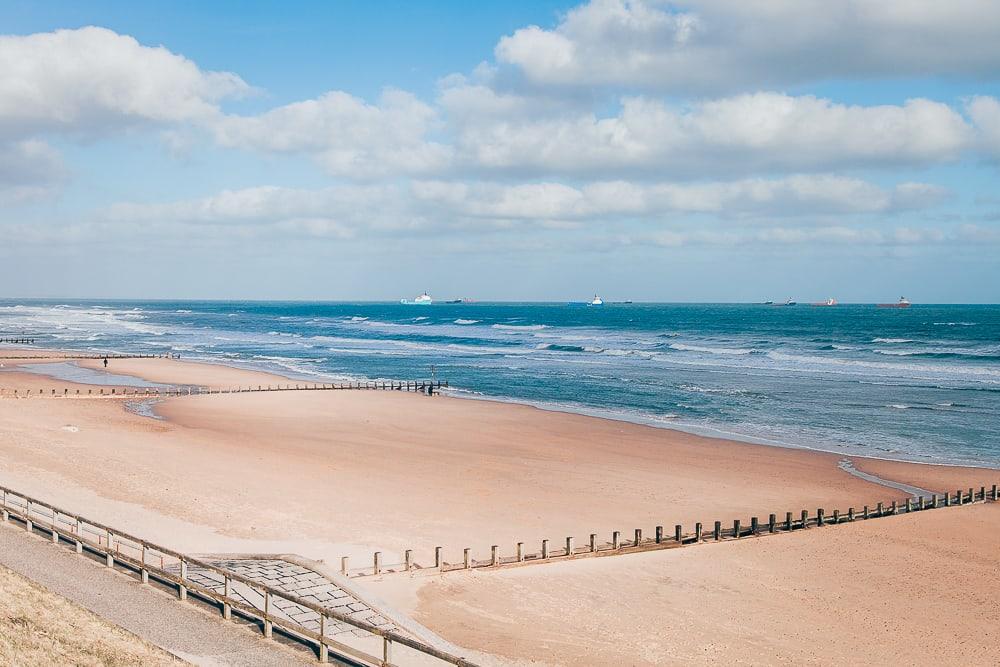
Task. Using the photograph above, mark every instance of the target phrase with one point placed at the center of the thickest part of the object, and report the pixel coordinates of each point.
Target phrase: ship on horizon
(902, 303)
(829, 302)
(422, 300)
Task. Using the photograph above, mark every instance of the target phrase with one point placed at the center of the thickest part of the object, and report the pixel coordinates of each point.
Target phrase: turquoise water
(921, 383)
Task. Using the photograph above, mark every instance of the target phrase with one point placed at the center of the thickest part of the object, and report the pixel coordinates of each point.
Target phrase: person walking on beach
(105, 363)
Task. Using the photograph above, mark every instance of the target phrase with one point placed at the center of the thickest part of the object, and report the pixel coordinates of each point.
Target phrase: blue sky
(669, 151)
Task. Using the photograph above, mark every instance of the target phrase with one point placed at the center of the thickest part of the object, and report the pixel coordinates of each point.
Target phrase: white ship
(422, 300)
(596, 301)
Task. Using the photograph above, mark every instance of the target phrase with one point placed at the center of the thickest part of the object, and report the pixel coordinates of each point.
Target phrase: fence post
(267, 614)
(920, 502)
(545, 549)
(960, 496)
(697, 533)
(878, 510)
(836, 517)
(865, 512)
(182, 591)
(994, 492)
(638, 537)
(616, 540)
(467, 560)
(678, 534)
(110, 559)
(593, 543)
(717, 531)
(569, 546)
(736, 528)
(343, 565)
(142, 560)
(947, 499)
(819, 517)
(788, 521)
(659, 534)
(850, 514)
(754, 526)
(494, 556)
(805, 518)
(894, 509)
(520, 552)
(772, 523)
(386, 650)
(79, 544)
(323, 651)
(437, 557)
(227, 609)
(408, 559)
(378, 562)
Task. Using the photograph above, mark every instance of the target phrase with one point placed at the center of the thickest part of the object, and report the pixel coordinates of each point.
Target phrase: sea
(918, 384)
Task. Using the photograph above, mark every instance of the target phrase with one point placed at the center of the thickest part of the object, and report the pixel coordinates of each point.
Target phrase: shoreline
(714, 433)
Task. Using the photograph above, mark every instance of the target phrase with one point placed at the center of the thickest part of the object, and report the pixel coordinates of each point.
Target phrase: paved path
(185, 629)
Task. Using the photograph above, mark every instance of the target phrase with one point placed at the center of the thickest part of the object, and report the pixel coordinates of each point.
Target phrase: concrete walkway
(184, 629)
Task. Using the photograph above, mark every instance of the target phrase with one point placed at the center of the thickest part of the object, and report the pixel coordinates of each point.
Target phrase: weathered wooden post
(993, 492)
(494, 556)
(982, 493)
(267, 614)
(227, 593)
(182, 591)
(323, 650)
(972, 495)
(466, 558)
(343, 565)
(520, 552)
(878, 510)
(569, 546)
(616, 540)
(850, 514)
(545, 549)
(593, 543)
(697, 533)
(805, 518)
(678, 534)
(659, 534)
(754, 526)
(378, 562)
(772, 523)
(717, 531)
(788, 521)
(638, 537)
(408, 559)
(836, 517)
(144, 573)
(819, 517)
(947, 499)
(437, 557)
(110, 559)
(958, 495)
(736, 528)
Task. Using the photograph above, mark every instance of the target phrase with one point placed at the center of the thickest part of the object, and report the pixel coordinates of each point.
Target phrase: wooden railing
(376, 648)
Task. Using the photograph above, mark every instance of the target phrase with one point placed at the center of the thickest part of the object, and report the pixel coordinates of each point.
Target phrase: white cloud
(348, 136)
(741, 134)
(93, 80)
(985, 113)
(726, 45)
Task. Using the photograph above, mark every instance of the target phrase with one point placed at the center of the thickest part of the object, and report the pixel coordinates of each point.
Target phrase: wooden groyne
(682, 536)
(18, 341)
(72, 357)
(418, 386)
(149, 562)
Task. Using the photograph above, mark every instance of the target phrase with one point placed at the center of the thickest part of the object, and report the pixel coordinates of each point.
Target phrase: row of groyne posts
(17, 341)
(660, 540)
(420, 386)
(165, 568)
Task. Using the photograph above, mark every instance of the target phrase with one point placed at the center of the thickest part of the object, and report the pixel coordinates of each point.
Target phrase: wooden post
(982, 493)
(947, 499)
(182, 591)
(754, 526)
(836, 517)
(569, 546)
(958, 495)
(717, 531)
(788, 521)
(878, 510)
(386, 650)
(227, 609)
(993, 493)
(908, 507)
(864, 512)
(437, 557)
(545, 549)
(819, 517)
(408, 558)
(378, 562)
(466, 558)
(494, 556)
(850, 514)
(520, 552)
(638, 537)
(678, 534)
(110, 560)
(697, 533)
(972, 496)
(772, 523)
(142, 560)
(593, 543)
(323, 650)
(343, 565)
(659, 534)
(267, 614)
(805, 518)
(616, 542)
(736, 528)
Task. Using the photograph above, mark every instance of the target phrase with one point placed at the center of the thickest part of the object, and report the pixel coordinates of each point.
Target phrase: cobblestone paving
(296, 580)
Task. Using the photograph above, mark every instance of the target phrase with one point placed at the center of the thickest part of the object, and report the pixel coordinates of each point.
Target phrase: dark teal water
(921, 383)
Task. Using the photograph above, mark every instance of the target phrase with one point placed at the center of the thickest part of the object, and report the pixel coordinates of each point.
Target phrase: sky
(698, 150)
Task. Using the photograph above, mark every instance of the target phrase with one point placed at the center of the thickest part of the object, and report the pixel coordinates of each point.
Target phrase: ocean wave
(988, 374)
(461, 321)
(520, 327)
(893, 340)
(357, 318)
(711, 350)
(555, 347)
(954, 324)
(182, 311)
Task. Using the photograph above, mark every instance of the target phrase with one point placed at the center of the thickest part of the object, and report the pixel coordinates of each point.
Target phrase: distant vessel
(789, 302)
(463, 300)
(829, 302)
(902, 303)
(422, 300)
(596, 301)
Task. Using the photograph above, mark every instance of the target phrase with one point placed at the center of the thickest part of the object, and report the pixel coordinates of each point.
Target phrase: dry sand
(921, 589)
(331, 473)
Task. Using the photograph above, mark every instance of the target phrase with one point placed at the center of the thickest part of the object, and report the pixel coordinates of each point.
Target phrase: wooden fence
(421, 386)
(146, 560)
(638, 543)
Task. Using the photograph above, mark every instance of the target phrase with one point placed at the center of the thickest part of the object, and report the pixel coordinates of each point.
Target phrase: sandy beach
(331, 473)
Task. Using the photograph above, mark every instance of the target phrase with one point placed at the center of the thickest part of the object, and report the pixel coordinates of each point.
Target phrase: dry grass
(38, 627)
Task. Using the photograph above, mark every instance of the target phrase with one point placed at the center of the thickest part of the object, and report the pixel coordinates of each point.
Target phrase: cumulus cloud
(29, 170)
(92, 81)
(348, 136)
(744, 133)
(726, 45)
(985, 113)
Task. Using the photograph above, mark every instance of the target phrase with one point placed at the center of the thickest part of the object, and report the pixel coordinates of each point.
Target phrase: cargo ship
(902, 303)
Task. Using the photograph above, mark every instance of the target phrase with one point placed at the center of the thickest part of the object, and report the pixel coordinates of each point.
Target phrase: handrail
(323, 642)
